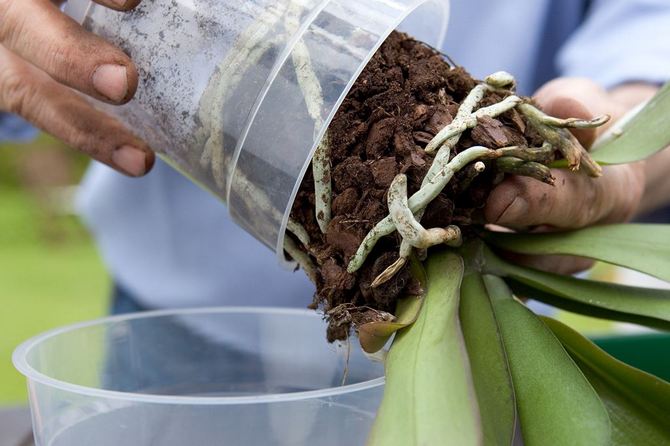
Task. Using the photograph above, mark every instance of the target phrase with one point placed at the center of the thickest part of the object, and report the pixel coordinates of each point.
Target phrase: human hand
(576, 200)
(44, 57)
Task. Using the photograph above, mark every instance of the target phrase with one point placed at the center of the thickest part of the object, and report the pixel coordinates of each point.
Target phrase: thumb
(574, 202)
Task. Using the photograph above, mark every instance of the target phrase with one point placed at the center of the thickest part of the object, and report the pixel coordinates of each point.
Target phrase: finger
(37, 31)
(56, 109)
(575, 201)
(566, 265)
(119, 5)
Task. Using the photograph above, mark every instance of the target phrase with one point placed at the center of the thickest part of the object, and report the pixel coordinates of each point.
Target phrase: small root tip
(389, 272)
(323, 225)
(453, 236)
(500, 79)
(596, 171)
(601, 120)
(480, 166)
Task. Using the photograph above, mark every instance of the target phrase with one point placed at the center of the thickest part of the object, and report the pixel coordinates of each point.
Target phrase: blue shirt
(13, 128)
(171, 244)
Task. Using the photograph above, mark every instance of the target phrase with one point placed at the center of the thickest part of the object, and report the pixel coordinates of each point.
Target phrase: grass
(43, 284)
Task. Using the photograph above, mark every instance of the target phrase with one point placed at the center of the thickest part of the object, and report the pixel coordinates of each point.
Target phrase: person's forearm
(657, 184)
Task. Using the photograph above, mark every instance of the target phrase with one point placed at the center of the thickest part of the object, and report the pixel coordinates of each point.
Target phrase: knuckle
(590, 205)
(58, 61)
(16, 91)
(90, 133)
(85, 142)
(12, 20)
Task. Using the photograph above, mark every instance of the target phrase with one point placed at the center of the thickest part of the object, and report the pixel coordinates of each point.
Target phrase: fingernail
(515, 212)
(111, 81)
(120, 3)
(131, 160)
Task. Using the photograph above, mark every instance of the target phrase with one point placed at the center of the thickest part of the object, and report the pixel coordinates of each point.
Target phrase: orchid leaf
(429, 397)
(642, 247)
(374, 335)
(638, 403)
(556, 403)
(642, 136)
(488, 362)
(600, 299)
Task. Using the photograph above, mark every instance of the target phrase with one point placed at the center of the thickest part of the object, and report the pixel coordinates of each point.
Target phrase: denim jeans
(164, 356)
(124, 302)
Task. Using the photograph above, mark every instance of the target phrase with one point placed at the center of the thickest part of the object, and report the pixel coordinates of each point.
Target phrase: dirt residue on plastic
(406, 94)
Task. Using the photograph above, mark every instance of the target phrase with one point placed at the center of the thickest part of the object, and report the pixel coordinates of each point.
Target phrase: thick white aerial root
(252, 44)
(323, 193)
(518, 166)
(542, 154)
(301, 258)
(313, 94)
(526, 161)
(465, 118)
(408, 227)
(443, 173)
(554, 131)
(299, 231)
(405, 213)
(413, 234)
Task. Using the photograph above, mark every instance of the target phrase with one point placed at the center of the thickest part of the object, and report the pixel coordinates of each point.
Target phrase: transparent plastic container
(230, 376)
(219, 97)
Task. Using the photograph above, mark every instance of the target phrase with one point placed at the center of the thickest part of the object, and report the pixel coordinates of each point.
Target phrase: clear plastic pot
(219, 98)
(236, 376)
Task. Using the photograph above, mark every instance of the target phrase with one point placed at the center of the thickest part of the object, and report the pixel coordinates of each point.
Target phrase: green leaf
(488, 362)
(638, 403)
(644, 135)
(557, 405)
(641, 247)
(374, 335)
(600, 299)
(429, 397)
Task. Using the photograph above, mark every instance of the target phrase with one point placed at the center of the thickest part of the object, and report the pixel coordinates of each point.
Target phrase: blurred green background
(50, 272)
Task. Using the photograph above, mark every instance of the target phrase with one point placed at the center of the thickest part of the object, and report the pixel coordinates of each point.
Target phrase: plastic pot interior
(252, 376)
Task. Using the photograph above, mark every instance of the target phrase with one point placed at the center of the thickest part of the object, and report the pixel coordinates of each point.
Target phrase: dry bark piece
(352, 172)
(346, 202)
(383, 171)
(344, 235)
